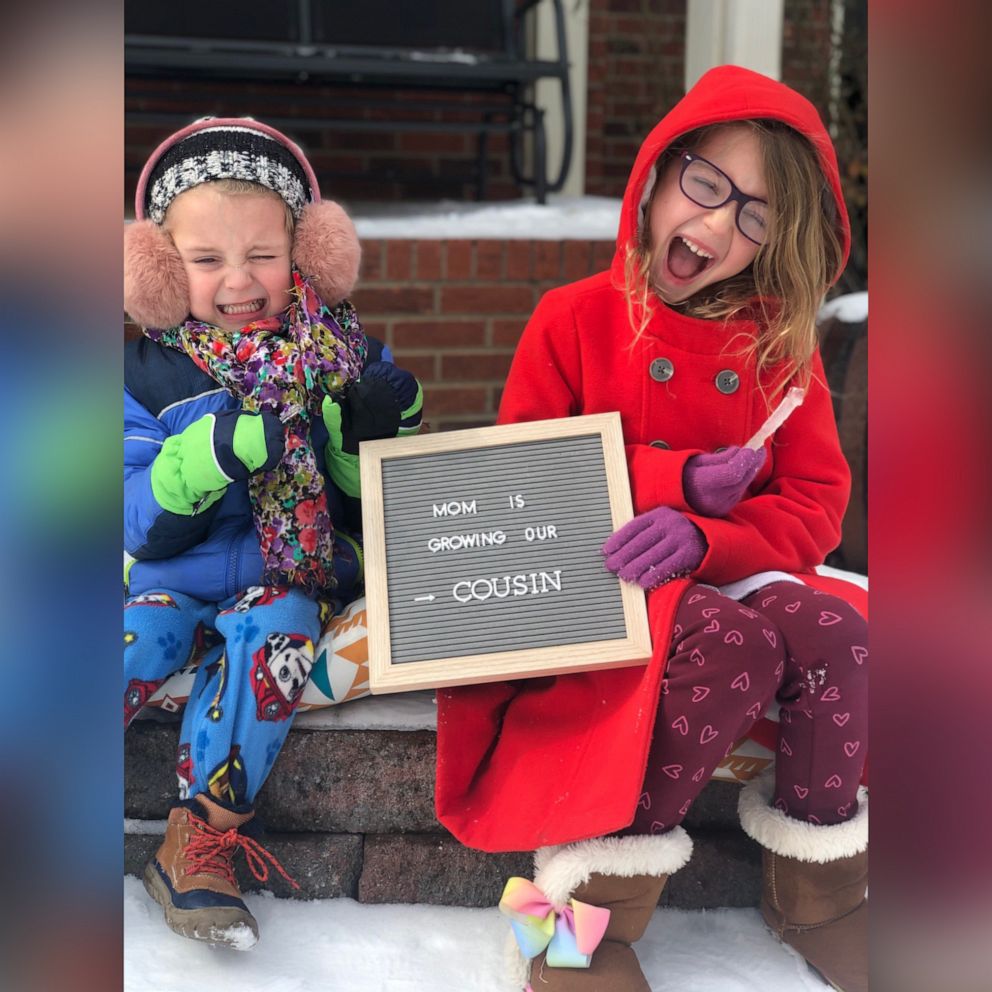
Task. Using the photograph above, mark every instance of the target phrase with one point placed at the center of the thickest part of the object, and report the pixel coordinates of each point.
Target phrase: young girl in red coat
(733, 227)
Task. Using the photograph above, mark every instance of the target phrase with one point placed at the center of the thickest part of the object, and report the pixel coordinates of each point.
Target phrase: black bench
(431, 48)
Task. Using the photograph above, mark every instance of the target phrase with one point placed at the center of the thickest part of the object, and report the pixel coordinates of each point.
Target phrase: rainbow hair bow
(570, 935)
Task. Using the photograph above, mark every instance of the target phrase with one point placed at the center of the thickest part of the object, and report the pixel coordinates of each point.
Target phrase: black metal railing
(443, 46)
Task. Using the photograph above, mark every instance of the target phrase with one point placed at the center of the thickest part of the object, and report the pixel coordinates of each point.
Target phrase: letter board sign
(482, 554)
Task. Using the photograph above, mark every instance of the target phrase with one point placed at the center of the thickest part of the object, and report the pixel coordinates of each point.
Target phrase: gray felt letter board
(482, 554)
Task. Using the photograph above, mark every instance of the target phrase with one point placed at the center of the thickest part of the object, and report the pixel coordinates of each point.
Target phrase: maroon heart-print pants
(729, 660)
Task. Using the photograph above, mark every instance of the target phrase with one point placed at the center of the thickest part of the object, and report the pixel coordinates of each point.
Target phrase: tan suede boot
(815, 884)
(192, 875)
(623, 874)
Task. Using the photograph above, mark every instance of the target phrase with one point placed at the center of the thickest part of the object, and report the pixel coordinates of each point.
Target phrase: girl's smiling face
(236, 252)
(699, 246)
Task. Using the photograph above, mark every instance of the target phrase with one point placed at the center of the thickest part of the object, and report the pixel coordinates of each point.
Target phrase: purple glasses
(706, 185)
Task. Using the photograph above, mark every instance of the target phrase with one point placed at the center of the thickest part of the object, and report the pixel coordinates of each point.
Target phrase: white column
(548, 92)
(737, 32)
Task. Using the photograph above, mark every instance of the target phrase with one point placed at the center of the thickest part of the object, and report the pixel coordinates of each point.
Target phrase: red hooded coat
(544, 761)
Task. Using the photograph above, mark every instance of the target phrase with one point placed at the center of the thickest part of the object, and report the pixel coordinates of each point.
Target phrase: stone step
(350, 812)
(342, 781)
(435, 869)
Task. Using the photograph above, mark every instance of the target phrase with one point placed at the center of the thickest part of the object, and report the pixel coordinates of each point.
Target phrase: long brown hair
(783, 288)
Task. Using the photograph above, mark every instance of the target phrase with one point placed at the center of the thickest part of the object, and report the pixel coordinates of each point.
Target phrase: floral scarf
(285, 364)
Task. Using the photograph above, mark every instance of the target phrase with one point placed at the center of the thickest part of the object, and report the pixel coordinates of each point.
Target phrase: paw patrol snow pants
(258, 655)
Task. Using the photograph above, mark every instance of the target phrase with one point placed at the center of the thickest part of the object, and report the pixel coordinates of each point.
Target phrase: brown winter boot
(625, 875)
(815, 885)
(192, 875)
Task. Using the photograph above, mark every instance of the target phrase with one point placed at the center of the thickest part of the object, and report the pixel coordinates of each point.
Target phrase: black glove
(384, 402)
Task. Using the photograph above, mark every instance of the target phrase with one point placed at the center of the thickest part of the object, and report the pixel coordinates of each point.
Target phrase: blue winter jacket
(215, 553)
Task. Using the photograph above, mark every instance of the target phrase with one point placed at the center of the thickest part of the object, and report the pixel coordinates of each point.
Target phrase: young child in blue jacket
(245, 401)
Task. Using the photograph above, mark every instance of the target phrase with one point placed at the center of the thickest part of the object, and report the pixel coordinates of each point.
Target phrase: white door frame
(737, 32)
(548, 91)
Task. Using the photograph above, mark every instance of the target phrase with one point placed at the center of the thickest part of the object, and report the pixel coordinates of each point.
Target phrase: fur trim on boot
(625, 875)
(814, 886)
(791, 838)
(560, 870)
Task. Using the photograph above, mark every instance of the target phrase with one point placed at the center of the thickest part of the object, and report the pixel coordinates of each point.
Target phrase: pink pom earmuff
(325, 245)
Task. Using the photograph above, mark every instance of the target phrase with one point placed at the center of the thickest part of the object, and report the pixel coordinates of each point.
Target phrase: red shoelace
(210, 851)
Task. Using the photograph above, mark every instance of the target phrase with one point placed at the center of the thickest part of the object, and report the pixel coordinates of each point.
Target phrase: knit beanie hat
(325, 246)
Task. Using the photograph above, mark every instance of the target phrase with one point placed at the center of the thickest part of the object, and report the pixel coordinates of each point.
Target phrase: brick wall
(452, 311)
(806, 51)
(636, 70)
(636, 64)
(405, 164)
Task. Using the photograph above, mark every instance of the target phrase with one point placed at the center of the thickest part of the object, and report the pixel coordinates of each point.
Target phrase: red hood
(729, 93)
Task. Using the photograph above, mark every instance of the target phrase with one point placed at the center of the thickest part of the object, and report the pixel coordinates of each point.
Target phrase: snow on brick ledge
(565, 218)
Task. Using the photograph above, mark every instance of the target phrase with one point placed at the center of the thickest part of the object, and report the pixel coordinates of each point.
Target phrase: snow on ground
(566, 218)
(339, 945)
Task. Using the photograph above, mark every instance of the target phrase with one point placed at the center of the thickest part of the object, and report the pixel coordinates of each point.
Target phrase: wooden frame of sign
(482, 554)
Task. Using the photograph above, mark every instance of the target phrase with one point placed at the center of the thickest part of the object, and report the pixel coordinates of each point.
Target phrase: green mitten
(195, 467)
(342, 466)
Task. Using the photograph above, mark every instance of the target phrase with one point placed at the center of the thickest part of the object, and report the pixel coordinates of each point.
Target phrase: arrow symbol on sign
(429, 598)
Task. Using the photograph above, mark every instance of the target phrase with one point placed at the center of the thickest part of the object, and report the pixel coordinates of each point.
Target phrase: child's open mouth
(686, 260)
(241, 309)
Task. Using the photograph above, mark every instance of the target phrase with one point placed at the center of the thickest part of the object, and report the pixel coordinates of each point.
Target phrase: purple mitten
(655, 547)
(715, 483)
